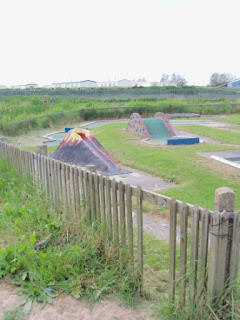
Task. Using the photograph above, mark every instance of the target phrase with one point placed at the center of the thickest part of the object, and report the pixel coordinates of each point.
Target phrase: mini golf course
(157, 129)
(81, 147)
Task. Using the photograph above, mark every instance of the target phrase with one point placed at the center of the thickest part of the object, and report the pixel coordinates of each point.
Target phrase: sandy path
(68, 308)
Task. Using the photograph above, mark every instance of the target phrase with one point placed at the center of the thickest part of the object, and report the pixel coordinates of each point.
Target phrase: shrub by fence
(208, 263)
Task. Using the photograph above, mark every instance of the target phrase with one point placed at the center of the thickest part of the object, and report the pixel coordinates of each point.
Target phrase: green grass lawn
(214, 133)
(237, 127)
(195, 176)
(232, 118)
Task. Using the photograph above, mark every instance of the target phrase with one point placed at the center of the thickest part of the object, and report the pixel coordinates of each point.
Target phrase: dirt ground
(66, 307)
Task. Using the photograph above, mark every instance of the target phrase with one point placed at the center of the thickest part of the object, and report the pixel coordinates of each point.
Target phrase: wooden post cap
(224, 199)
(42, 149)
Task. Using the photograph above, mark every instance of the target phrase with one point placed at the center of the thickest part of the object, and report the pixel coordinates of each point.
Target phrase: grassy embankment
(16, 109)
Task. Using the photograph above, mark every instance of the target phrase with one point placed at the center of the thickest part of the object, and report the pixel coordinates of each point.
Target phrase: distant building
(125, 83)
(3, 87)
(31, 86)
(88, 84)
(25, 86)
(107, 84)
(75, 84)
(230, 84)
(116, 83)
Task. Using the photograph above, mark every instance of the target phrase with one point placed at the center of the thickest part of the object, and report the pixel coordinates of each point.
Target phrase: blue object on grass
(68, 129)
(178, 141)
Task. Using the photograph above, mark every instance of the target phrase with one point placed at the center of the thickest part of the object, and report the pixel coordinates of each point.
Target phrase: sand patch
(66, 307)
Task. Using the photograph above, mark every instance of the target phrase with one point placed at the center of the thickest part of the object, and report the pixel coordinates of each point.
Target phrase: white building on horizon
(75, 84)
(25, 86)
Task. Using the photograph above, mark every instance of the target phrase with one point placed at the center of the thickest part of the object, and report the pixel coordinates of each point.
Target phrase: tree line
(178, 80)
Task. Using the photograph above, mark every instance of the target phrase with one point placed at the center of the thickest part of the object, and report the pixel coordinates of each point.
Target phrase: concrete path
(139, 178)
(156, 226)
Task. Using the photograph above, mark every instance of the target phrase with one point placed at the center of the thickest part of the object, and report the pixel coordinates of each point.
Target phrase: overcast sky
(45, 41)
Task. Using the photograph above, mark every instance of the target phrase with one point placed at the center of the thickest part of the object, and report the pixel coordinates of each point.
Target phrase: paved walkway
(156, 226)
(139, 178)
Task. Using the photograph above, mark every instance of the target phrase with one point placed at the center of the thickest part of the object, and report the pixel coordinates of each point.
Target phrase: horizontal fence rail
(208, 243)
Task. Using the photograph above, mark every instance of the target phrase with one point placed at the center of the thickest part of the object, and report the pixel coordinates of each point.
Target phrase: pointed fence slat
(234, 262)
(203, 253)
(115, 214)
(55, 181)
(92, 196)
(46, 174)
(86, 192)
(129, 220)
(72, 190)
(195, 217)
(122, 213)
(82, 197)
(109, 207)
(172, 249)
(64, 191)
(219, 244)
(76, 191)
(140, 231)
(59, 183)
(50, 178)
(67, 179)
(102, 200)
(97, 197)
(183, 252)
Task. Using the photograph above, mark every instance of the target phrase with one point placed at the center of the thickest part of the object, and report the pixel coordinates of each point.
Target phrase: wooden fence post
(220, 242)
(183, 252)
(91, 191)
(42, 149)
(172, 249)
(140, 232)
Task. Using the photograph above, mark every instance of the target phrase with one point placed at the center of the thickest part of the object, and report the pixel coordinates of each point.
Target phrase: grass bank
(65, 110)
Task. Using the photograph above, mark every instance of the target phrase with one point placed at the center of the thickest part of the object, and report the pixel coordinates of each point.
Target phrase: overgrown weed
(74, 259)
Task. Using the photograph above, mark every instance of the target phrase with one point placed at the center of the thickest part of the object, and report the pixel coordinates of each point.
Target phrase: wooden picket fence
(208, 242)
